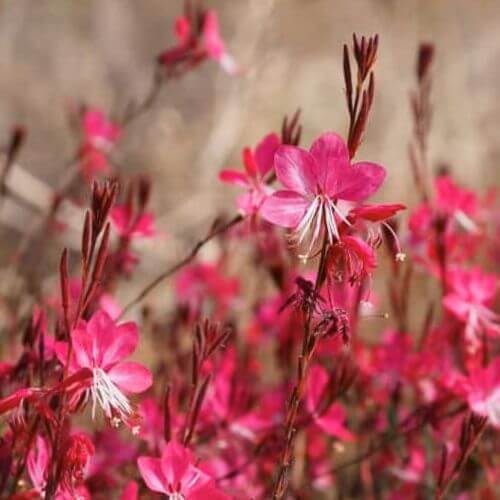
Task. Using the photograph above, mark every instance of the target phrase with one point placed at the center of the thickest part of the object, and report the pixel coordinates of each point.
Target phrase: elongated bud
(64, 280)
(17, 138)
(424, 60)
(167, 418)
(195, 409)
(144, 192)
(101, 254)
(347, 76)
(87, 239)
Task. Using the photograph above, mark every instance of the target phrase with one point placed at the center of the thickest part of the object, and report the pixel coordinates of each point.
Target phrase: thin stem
(180, 264)
(305, 356)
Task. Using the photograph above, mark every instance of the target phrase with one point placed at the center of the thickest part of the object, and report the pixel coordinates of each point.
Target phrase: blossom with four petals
(317, 184)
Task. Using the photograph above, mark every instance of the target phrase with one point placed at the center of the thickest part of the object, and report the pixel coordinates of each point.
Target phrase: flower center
(318, 219)
(105, 393)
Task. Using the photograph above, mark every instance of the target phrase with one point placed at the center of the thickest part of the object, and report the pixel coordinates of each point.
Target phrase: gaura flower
(175, 475)
(330, 417)
(482, 391)
(130, 225)
(258, 163)
(99, 137)
(98, 131)
(76, 453)
(198, 38)
(101, 346)
(471, 292)
(316, 183)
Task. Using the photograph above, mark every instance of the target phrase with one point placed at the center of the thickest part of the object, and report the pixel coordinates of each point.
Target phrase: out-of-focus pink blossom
(99, 137)
(471, 292)
(258, 163)
(198, 38)
(128, 225)
(482, 391)
(329, 417)
(176, 475)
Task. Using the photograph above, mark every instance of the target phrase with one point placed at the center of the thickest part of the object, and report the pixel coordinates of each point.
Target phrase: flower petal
(296, 169)
(121, 345)
(284, 208)
(234, 177)
(213, 42)
(101, 329)
(375, 213)
(265, 151)
(360, 181)
(131, 377)
(332, 159)
(82, 348)
(175, 462)
(151, 472)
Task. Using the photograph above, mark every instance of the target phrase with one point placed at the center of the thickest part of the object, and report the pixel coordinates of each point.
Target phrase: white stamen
(107, 394)
(466, 222)
(320, 214)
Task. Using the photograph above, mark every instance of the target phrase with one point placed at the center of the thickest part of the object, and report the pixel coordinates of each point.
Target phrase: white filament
(320, 214)
(105, 393)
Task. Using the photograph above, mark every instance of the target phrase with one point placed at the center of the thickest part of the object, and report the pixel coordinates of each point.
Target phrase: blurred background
(56, 53)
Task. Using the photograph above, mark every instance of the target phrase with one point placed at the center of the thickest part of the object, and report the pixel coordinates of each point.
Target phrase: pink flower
(482, 390)
(470, 294)
(330, 417)
(99, 136)
(215, 46)
(462, 204)
(36, 464)
(74, 462)
(198, 38)
(129, 225)
(315, 182)
(258, 164)
(101, 346)
(98, 131)
(175, 475)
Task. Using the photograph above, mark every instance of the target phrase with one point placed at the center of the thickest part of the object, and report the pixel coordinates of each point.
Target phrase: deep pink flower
(101, 346)
(331, 419)
(111, 454)
(38, 461)
(482, 391)
(454, 210)
(98, 131)
(471, 292)
(99, 136)
(128, 225)
(175, 475)
(315, 182)
(215, 46)
(152, 424)
(198, 38)
(258, 163)
(455, 201)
